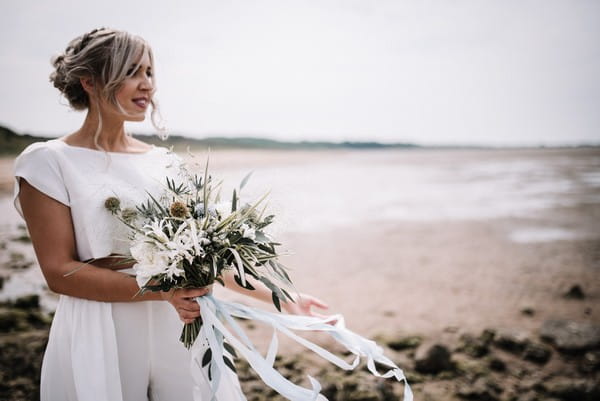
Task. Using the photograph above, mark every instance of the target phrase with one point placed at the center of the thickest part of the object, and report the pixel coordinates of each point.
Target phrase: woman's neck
(112, 137)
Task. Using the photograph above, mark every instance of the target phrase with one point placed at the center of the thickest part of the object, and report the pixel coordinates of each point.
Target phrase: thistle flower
(112, 204)
(178, 209)
(129, 214)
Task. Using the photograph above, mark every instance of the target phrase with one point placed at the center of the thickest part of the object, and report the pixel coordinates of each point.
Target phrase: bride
(105, 343)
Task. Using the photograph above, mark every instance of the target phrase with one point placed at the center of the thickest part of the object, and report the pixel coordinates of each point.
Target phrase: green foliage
(12, 143)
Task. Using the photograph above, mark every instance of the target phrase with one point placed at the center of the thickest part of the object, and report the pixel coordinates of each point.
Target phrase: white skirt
(121, 351)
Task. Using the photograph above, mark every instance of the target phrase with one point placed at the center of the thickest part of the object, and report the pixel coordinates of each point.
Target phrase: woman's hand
(184, 303)
(303, 304)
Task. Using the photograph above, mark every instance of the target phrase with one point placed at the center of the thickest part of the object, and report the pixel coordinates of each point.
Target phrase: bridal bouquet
(188, 237)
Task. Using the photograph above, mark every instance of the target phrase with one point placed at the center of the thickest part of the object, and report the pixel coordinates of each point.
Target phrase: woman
(106, 343)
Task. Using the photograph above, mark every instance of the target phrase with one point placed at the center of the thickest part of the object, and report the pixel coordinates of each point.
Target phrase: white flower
(223, 209)
(151, 261)
(156, 228)
(248, 232)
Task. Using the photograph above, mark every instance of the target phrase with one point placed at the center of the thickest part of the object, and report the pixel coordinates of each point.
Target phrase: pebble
(571, 336)
(511, 340)
(432, 358)
(575, 292)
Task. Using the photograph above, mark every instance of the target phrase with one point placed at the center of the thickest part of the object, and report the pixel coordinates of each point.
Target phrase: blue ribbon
(215, 312)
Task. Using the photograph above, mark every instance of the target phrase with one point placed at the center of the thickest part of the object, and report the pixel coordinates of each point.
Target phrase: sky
(510, 72)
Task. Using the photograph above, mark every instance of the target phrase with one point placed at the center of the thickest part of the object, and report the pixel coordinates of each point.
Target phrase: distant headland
(12, 143)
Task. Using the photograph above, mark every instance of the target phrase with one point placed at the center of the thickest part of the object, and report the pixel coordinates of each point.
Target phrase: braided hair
(105, 55)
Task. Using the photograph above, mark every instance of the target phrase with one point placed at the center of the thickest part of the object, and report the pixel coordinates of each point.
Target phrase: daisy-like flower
(129, 214)
(156, 229)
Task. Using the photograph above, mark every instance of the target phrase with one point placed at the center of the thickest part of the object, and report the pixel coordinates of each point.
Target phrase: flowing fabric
(215, 313)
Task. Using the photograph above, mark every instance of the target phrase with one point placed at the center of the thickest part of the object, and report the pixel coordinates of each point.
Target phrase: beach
(433, 243)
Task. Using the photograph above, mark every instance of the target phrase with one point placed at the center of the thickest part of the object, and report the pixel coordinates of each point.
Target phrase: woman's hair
(104, 55)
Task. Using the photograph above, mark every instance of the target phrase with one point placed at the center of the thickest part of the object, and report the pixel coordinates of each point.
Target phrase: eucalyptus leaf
(234, 202)
(229, 364)
(245, 180)
(206, 357)
(276, 301)
(230, 349)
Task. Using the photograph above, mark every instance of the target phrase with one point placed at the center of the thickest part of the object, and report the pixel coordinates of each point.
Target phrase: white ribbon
(216, 312)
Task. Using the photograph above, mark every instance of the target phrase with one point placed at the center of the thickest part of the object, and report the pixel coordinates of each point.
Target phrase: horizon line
(382, 143)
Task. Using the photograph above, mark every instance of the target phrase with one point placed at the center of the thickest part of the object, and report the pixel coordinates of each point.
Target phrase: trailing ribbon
(216, 312)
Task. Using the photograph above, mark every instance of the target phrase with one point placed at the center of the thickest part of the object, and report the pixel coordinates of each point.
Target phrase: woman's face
(135, 92)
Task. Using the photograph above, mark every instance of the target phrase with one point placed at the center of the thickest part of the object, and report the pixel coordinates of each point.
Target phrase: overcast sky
(429, 72)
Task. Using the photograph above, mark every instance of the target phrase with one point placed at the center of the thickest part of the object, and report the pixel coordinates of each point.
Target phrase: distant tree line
(12, 143)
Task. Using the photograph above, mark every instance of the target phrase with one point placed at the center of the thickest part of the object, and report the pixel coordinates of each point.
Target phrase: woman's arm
(302, 304)
(50, 226)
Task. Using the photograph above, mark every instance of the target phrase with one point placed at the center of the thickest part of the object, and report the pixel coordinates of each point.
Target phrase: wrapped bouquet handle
(215, 313)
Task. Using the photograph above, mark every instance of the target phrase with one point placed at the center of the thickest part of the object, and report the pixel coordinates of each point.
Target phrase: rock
(590, 362)
(528, 311)
(575, 292)
(20, 361)
(471, 368)
(23, 237)
(570, 389)
(13, 320)
(385, 390)
(482, 389)
(2, 282)
(18, 320)
(529, 383)
(17, 261)
(488, 336)
(537, 352)
(474, 347)
(497, 364)
(510, 340)
(402, 343)
(571, 336)
(356, 387)
(27, 302)
(529, 396)
(432, 358)
(413, 377)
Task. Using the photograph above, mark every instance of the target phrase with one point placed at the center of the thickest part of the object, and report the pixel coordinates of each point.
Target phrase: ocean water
(354, 188)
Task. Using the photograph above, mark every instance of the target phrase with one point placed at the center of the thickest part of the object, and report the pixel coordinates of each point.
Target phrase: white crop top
(83, 179)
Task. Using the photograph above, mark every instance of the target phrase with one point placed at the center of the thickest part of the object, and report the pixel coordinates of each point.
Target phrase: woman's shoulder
(35, 146)
(40, 151)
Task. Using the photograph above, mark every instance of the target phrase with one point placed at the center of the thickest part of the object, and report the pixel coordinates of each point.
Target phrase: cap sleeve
(39, 166)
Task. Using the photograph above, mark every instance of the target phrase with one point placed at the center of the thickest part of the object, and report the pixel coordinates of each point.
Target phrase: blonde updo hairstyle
(104, 55)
